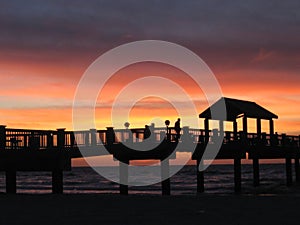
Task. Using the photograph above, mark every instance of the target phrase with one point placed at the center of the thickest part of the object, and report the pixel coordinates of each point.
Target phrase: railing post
(61, 138)
(49, 139)
(186, 136)
(93, 137)
(72, 139)
(25, 140)
(283, 139)
(87, 138)
(162, 135)
(110, 136)
(2, 137)
(34, 142)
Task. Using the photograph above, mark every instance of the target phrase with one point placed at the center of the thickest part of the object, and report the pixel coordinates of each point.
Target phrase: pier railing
(46, 139)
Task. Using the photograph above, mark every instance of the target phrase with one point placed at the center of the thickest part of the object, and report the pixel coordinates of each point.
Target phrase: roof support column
(206, 127)
(271, 122)
(235, 130)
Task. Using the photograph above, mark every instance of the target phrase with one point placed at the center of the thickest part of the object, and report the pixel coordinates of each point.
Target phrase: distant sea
(218, 180)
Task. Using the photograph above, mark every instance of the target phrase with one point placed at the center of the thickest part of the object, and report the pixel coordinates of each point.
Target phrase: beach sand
(146, 209)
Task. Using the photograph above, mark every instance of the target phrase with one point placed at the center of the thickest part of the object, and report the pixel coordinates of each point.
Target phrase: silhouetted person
(147, 132)
(177, 129)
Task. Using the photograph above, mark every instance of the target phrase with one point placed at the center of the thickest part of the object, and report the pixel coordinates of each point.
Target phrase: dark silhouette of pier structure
(52, 150)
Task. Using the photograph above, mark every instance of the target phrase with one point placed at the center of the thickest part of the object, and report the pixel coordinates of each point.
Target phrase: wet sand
(137, 209)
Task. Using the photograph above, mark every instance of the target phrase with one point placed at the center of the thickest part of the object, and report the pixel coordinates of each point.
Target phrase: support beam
(256, 179)
(123, 172)
(11, 181)
(289, 175)
(200, 177)
(165, 176)
(57, 181)
(256, 174)
(237, 175)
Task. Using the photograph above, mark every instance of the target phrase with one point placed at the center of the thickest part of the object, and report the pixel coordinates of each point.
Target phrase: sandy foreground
(136, 209)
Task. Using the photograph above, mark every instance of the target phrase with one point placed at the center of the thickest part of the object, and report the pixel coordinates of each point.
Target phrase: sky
(252, 47)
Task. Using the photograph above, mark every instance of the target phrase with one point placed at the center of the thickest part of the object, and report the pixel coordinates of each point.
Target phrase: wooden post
(297, 169)
(61, 138)
(72, 139)
(11, 181)
(255, 171)
(162, 135)
(200, 177)
(256, 155)
(123, 173)
(165, 177)
(2, 137)
(237, 175)
(57, 181)
(206, 128)
(289, 176)
(87, 139)
(283, 139)
(49, 139)
(110, 136)
(93, 137)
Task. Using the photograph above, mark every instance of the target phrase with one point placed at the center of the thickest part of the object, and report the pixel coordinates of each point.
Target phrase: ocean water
(219, 179)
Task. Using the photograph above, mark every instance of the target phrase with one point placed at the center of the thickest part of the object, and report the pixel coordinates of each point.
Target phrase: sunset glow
(40, 68)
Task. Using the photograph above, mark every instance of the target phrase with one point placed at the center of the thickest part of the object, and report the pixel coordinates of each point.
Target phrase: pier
(52, 150)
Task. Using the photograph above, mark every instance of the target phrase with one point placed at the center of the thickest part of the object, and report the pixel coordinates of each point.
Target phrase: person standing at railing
(177, 129)
(147, 132)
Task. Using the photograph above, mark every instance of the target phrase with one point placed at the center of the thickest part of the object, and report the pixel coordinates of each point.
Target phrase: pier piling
(200, 177)
(11, 181)
(123, 172)
(165, 173)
